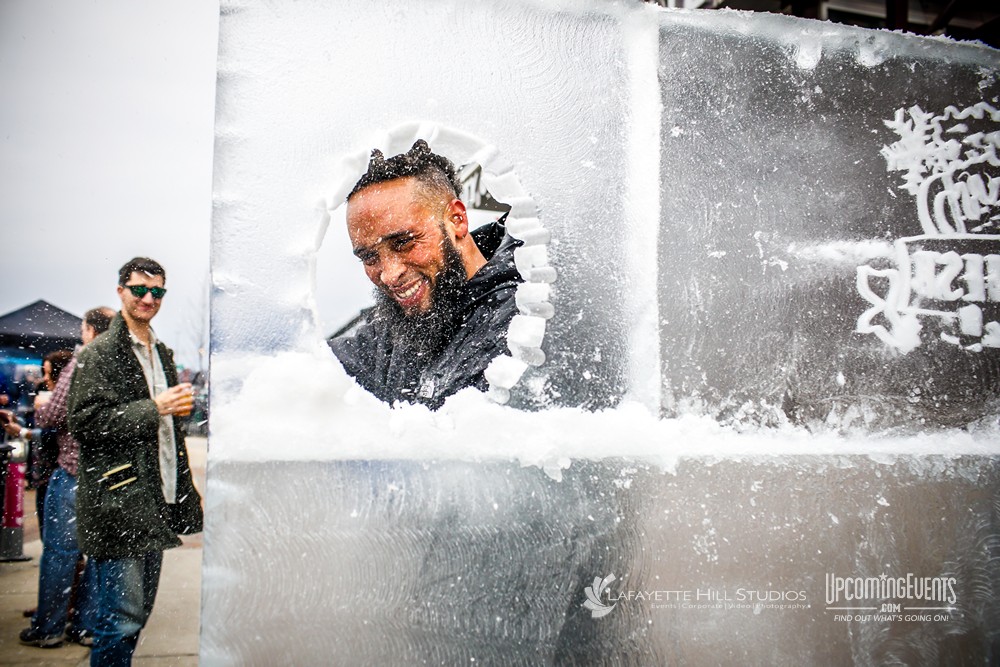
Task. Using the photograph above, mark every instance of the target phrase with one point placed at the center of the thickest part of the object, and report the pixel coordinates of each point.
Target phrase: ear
(458, 217)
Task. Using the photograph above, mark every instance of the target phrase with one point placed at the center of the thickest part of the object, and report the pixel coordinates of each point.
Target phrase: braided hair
(435, 172)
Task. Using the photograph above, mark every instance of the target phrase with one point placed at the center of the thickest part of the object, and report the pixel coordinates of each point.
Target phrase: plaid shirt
(53, 415)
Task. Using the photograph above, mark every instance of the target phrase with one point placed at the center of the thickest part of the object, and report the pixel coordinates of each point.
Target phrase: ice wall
(453, 562)
(754, 371)
(816, 286)
(553, 101)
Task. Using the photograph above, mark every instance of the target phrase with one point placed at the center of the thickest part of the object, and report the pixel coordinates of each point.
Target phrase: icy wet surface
(396, 562)
(760, 368)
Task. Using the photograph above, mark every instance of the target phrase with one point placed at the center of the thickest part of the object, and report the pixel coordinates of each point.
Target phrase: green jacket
(120, 508)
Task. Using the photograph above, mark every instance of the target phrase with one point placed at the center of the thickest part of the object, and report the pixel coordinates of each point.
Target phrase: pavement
(170, 637)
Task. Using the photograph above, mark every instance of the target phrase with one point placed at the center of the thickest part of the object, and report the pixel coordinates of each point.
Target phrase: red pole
(12, 532)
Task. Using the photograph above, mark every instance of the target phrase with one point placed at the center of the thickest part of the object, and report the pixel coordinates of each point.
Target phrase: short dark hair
(99, 319)
(142, 265)
(432, 170)
(58, 360)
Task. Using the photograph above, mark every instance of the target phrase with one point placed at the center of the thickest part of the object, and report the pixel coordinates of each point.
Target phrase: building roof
(39, 328)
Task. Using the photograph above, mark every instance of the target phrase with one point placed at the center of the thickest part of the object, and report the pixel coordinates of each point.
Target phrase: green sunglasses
(139, 291)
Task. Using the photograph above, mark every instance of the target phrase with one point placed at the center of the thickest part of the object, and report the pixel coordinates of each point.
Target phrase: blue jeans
(60, 553)
(126, 590)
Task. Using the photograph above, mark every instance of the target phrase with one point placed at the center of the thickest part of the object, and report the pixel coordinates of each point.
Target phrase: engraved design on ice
(951, 272)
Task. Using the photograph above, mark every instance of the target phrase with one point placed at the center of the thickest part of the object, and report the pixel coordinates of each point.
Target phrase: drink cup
(188, 405)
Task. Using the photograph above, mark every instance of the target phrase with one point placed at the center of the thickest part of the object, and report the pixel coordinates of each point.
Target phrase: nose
(148, 298)
(392, 271)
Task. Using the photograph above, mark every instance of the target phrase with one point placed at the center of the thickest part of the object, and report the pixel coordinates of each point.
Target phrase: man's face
(140, 309)
(400, 238)
(87, 333)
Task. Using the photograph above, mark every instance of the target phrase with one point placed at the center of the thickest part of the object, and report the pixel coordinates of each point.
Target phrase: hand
(176, 400)
(12, 429)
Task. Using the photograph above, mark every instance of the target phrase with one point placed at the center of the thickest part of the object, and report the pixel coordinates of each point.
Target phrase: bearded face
(425, 333)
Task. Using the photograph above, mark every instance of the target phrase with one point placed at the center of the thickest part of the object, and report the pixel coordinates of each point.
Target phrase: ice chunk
(526, 331)
(533, 299)
(504, 372)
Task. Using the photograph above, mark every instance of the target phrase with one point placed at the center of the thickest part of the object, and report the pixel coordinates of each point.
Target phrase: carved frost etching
(951, 272)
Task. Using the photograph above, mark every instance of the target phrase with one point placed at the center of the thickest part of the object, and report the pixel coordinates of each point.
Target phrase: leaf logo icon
(597, 608)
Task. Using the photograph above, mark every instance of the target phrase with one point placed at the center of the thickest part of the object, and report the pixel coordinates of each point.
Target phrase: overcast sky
(106, 126)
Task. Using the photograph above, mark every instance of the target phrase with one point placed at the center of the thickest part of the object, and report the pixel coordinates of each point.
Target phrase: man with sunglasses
(135, 490)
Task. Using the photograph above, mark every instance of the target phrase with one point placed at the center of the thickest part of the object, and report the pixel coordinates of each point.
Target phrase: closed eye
(367, 258)
(402, 244)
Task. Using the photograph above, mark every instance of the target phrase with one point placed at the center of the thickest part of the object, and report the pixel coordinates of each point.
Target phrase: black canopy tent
(37, 329)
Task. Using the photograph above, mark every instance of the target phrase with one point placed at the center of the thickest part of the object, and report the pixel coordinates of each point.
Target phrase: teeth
(409, 292)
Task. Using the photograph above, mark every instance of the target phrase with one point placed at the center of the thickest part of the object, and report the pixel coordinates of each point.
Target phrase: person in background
(24, 395)
(44, 447)
(60, 549)
(135, 489)
(4, 389)
(22, 404)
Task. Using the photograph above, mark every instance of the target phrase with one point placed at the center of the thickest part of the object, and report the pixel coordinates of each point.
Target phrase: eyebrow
(360, 251)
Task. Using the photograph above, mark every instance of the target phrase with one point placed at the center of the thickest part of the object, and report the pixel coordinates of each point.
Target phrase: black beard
(424, 335)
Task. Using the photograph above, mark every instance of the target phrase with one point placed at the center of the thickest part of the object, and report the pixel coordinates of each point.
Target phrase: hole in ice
(491, 192)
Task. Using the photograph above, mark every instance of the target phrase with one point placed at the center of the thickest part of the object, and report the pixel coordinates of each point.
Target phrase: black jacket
(368, 354)
(121, 512)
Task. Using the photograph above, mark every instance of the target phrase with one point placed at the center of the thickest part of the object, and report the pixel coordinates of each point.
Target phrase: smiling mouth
(409, 296)
(408, 292)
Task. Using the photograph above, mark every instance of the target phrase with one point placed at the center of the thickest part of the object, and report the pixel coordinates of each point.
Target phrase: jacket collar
(120, 332)
(490, 237)
(499, 271)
